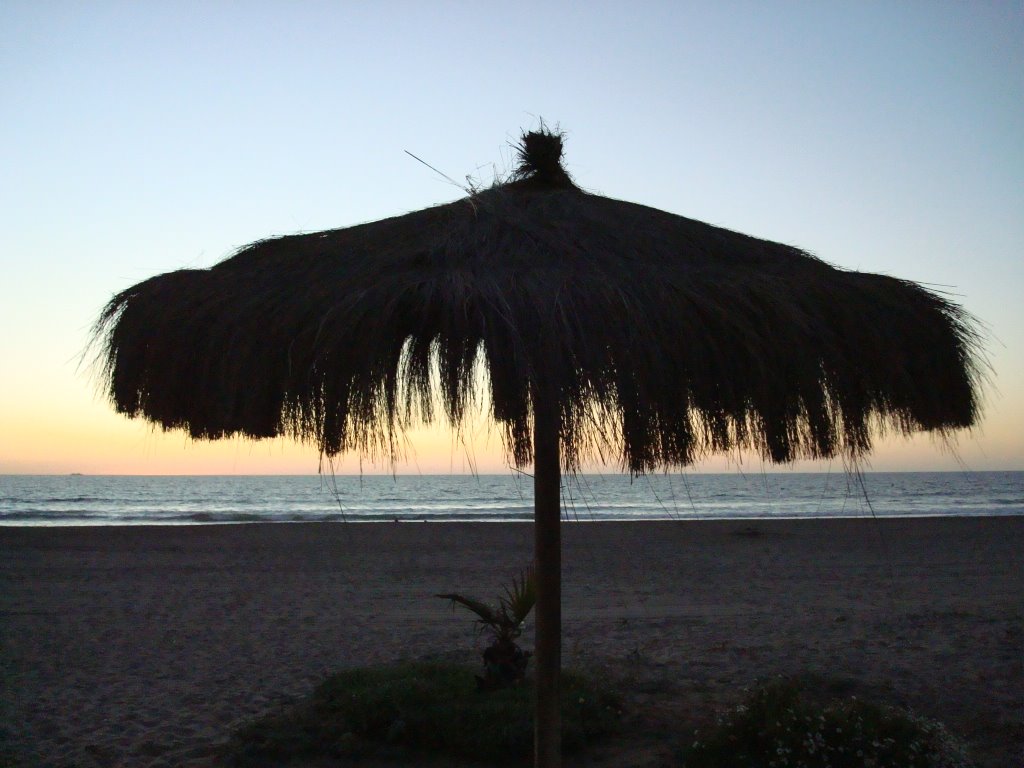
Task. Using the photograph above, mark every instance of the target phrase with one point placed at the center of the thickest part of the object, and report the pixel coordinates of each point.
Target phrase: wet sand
(145, 646)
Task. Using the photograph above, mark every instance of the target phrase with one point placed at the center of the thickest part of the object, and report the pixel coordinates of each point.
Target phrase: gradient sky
(137, 138)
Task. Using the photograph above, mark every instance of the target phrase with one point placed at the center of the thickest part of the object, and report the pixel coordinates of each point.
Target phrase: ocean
(197, 500)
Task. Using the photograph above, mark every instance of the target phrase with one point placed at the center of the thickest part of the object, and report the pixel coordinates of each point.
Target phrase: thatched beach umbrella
(606, 330)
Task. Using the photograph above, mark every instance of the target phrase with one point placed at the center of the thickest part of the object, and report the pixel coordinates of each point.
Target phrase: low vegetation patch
(783, 725)
(428, 709)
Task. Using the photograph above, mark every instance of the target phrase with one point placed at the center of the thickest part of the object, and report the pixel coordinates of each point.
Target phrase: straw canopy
(657, 339)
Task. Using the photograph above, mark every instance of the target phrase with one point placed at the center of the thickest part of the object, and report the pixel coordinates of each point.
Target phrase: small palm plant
(504, 661)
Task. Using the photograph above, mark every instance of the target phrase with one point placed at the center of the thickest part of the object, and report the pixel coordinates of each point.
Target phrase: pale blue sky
(138, 138)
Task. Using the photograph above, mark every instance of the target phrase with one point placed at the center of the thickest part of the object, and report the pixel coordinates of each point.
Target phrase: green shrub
(782, 726)
(432, 709)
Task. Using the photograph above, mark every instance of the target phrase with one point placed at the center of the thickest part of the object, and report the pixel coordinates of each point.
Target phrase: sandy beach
(145, 646)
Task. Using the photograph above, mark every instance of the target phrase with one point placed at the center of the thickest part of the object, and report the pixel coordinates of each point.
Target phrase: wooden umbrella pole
(548, 574)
